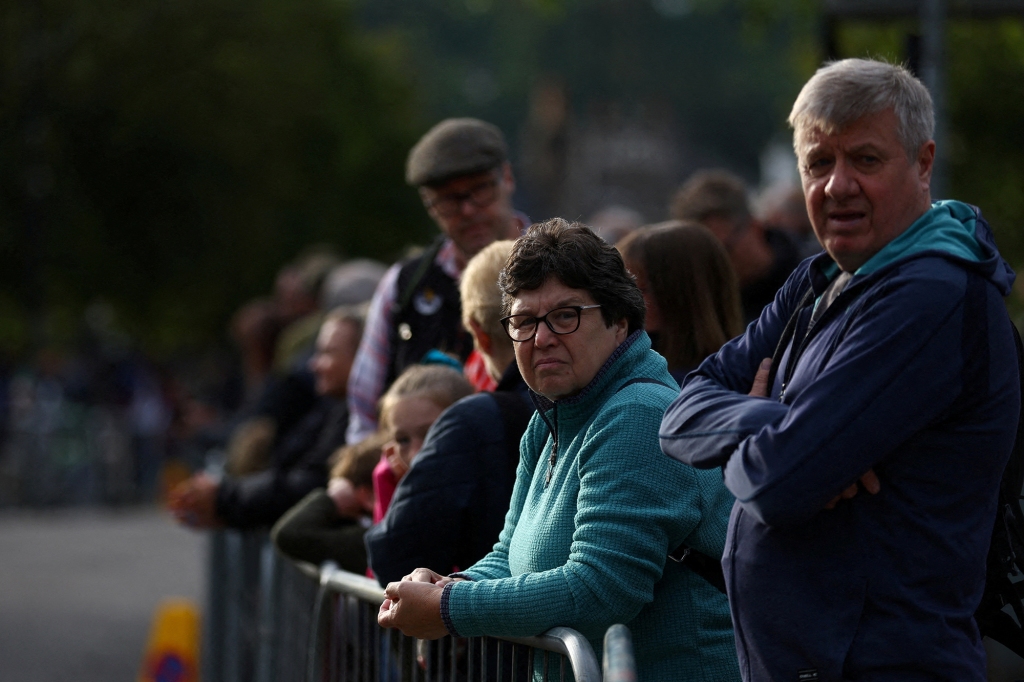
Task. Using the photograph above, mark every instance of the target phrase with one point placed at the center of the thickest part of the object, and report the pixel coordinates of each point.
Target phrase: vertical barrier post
(619, 664)
(270, 579)
(214, 619)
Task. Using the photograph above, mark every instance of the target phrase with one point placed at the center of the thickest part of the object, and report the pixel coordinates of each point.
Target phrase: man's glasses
(564, 320)
(481, 196)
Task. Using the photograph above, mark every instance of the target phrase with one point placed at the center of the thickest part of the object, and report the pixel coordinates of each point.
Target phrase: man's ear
(483, 340)
(507, 177)
(925, 163)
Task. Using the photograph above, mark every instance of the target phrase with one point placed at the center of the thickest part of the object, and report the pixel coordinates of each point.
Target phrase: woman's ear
(621, 329)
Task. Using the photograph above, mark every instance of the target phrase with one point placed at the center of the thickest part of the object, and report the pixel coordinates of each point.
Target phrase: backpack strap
(787, 335)
(426, 259)
(701, 564)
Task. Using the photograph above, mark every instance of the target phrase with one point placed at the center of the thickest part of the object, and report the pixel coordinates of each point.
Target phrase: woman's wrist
(446, 617)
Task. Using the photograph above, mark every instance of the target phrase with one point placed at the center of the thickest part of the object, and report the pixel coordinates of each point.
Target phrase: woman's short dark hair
(579, 259)
(690, 277)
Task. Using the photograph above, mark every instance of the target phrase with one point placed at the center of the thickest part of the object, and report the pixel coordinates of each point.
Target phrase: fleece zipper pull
(552, 459)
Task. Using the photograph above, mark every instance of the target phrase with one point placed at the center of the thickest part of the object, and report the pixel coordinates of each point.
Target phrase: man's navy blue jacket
(911, 372)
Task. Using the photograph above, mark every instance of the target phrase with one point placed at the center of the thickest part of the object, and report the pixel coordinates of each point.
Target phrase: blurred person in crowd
(461, 169)
(465, 471)
(407, 409)
(597, 507)
(866, 468)
(613, 223)
(328, 524)
(149, 414)
(763, 257)
(690, 290)
(288, 395)
(254, 329)
(298, 463)
(351, 283)
(298, 295)
(782, 206)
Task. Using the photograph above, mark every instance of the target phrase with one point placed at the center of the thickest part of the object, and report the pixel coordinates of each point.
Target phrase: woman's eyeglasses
(564, 320)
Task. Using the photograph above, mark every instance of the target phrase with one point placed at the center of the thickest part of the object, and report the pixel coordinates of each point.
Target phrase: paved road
(78, 589)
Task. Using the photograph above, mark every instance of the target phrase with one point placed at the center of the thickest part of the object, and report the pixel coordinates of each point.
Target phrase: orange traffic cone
(172, 654)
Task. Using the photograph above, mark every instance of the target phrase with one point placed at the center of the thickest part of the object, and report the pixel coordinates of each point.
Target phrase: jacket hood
(951, 229)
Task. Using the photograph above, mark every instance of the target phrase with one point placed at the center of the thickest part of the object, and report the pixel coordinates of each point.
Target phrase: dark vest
(427, 315)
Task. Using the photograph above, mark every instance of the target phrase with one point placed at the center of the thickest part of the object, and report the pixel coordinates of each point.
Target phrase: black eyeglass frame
(481, 195)
(544, 318)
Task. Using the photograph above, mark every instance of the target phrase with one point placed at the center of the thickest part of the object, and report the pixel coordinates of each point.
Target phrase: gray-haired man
(897, 370)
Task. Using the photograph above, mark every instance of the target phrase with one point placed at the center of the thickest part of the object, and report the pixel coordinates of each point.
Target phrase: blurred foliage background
(167, 157)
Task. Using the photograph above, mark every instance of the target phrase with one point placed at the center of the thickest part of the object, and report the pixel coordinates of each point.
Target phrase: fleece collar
(948, 226)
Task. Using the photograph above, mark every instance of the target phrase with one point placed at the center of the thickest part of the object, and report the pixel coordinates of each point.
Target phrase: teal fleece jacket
(588, 547)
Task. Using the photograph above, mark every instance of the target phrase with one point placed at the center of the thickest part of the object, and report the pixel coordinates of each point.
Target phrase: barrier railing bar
(560, 640)
(619, 663)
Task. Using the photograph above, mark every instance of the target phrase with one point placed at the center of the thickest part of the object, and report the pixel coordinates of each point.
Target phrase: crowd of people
(526, 426)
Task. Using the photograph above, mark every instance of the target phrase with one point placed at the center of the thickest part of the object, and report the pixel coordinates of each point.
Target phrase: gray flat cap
(455, 146)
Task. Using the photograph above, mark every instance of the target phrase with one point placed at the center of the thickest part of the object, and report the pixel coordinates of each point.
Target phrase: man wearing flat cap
(461, 169)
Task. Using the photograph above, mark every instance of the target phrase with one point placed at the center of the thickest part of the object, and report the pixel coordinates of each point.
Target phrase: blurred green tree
(168, 157)
(985, 107)
(722, 69)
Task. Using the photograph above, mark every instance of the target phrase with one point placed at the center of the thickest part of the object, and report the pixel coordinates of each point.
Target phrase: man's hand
(760, 387)
(870, 482)
(194, 502)
(414, 607)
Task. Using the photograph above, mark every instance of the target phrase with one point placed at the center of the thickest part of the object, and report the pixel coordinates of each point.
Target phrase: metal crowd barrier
(270, 620)
(349, 645)
(259, 605)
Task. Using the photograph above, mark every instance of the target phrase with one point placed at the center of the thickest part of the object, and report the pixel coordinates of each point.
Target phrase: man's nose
(466, 206)
(842, 183)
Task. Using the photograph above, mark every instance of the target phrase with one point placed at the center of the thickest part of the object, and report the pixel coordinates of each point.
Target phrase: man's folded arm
(897, 370)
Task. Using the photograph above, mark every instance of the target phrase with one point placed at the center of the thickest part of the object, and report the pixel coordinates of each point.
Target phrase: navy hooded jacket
(911, 372)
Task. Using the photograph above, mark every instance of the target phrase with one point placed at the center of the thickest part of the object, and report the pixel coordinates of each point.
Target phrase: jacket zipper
(553, 457)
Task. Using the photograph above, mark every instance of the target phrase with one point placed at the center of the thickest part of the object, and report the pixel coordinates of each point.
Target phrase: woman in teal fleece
(597, 507)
